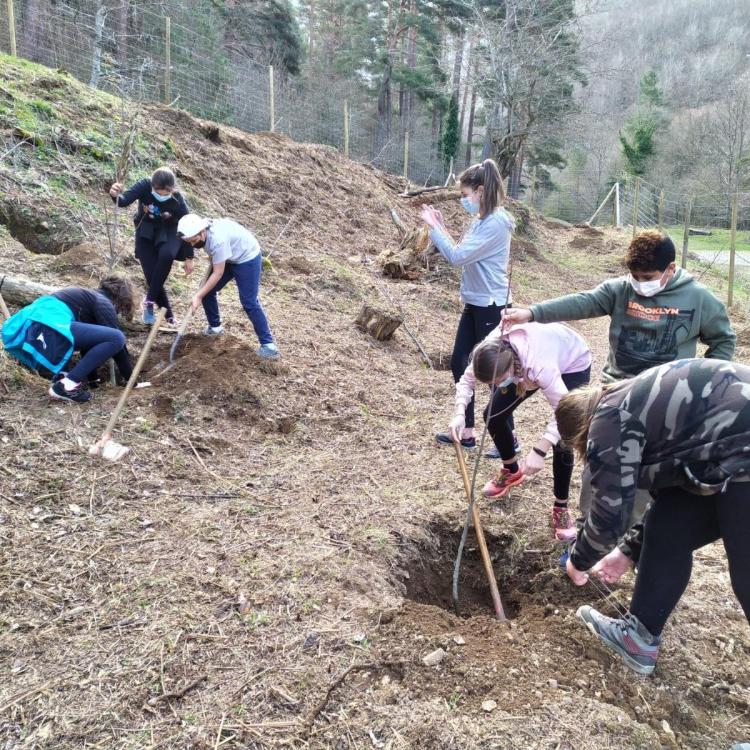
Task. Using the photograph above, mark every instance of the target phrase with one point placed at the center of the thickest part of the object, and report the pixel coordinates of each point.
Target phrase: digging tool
(105, 446)
(499, 611)
(183, 327)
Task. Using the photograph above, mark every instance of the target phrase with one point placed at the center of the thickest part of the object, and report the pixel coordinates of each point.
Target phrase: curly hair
(650, 251)
(121, 293)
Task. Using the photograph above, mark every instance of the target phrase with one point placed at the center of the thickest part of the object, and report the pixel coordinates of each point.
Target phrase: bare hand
(516, 315)
(189, 266)
(457, 427)
(430, 216)
(116, 189)
(577, 576)
(612, 567)
(532, 464)
(195, 302)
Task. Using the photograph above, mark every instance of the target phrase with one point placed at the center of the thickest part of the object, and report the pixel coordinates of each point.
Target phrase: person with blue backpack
(45, 334)
(157, 246)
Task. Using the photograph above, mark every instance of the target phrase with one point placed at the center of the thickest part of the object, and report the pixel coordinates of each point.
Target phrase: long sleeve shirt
(483, 256)
(546, 353)
(648, 331)
(685, 424)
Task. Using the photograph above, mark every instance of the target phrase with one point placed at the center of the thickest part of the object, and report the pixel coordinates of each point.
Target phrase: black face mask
(200, 243)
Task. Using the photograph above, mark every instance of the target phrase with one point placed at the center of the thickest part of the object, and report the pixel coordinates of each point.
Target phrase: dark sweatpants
(475, 323)
(156, 258)
(500, 426)
(678, 523)
(96, 345)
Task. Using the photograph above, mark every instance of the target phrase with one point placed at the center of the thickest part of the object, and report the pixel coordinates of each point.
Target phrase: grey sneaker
(268, 351)
(214, 330)
(627, 637)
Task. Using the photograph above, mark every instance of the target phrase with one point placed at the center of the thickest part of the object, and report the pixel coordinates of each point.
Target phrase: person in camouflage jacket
(682, 432)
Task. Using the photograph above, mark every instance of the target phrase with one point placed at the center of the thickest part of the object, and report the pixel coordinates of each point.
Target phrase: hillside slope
(278, 523)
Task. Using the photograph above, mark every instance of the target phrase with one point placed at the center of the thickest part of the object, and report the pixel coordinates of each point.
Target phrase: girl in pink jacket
(518, 362)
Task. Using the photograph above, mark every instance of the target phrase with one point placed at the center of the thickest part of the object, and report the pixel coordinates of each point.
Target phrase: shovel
(105, 446)
(499, 611)
(183, 327)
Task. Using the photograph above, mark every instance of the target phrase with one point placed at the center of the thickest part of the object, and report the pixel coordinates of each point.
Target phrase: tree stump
(379, 323)
(409, 260)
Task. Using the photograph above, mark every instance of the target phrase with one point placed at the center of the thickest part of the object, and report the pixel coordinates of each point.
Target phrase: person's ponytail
(493, 188)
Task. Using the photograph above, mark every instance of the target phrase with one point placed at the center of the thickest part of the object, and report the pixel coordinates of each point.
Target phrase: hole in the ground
(524, 575)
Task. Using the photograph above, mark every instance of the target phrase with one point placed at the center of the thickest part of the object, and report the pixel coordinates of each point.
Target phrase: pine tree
(451, 135)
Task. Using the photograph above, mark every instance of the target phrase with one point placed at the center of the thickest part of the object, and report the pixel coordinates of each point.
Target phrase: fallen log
(379, 323)
(699, 232)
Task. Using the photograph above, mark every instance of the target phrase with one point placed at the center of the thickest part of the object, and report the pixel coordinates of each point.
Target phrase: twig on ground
(177, 693)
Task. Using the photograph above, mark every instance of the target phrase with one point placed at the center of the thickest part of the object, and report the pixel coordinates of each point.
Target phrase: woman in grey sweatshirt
(483, 255)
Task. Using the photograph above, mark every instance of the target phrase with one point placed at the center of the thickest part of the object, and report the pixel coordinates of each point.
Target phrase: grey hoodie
(648, 331)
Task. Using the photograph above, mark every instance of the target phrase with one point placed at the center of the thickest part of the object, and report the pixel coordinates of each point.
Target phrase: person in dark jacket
(160, 207)
(96, 334)
(681, 431)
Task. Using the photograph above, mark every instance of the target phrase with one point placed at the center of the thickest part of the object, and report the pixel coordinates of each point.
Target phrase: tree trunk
(21, 292)
(96, 57)
(458, 64)
(467, 84)
(470, 129)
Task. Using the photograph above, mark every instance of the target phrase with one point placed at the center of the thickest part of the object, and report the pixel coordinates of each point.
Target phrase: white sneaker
(268, 351)
(213, 330)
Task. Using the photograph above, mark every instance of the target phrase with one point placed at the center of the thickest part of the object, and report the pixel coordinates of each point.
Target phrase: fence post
(732, 248)
(272, 104)
(346, 128)
(12, 28)
(636, 199)
(660, 218)
(406, 155)
(617, 204)
(686, 235)
(167, 60)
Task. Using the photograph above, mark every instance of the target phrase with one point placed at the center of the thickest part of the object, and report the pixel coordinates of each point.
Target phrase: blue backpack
(39, 336)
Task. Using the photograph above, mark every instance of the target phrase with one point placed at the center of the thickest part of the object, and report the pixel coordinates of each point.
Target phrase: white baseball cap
(190, 225)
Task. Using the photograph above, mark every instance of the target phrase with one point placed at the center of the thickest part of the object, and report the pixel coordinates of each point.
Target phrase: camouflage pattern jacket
(683, 424)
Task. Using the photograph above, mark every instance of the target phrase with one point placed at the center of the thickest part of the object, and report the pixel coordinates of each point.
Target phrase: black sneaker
(445, 438)
(79, 394)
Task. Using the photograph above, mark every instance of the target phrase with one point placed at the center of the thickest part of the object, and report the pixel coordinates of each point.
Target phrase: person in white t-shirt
(235, 254)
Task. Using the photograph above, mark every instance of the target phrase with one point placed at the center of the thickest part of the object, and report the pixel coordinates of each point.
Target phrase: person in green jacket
(658, 313)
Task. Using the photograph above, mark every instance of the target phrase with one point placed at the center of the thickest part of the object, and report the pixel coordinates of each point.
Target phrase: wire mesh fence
(145, 55)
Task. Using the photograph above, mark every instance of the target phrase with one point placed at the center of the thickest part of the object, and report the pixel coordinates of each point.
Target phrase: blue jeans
(247, 276)
(96, 345)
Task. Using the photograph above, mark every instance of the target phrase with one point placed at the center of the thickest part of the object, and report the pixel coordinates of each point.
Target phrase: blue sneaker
(563, 561)
(626, 636)
(149, 312)
(268, 351)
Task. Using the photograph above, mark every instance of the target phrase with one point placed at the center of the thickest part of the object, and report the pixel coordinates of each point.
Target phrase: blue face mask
(161, 198)
(469, 206)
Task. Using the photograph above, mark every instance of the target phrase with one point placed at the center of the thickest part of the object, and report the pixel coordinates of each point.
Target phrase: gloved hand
(457, 426)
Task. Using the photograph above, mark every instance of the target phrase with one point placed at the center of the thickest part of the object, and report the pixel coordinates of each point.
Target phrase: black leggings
(677, 523)
(476, 322)
(96, 345)
(156, 261)
(500, 426)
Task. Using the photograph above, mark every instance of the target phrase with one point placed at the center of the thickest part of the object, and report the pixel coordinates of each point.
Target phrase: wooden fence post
(636, 199)
(167, 60)
(12, 29)
(732, 248)
(346, 128)
(406, 155)
(617, 204)
(660, 211)
(272, 105)
(686, 234)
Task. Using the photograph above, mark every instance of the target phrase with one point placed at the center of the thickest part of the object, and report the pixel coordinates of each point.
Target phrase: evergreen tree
(451, 136)
(638, 143)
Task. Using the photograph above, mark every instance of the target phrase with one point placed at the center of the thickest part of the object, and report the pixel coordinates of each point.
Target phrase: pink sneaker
(563, 526)
(501, 484)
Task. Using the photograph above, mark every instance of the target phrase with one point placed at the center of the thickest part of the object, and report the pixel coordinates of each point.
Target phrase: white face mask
(646, 288)
(510, 380)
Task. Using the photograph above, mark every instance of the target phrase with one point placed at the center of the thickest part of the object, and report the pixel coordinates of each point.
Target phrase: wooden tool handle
(486, 561)
(136, 372)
